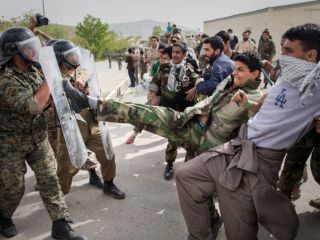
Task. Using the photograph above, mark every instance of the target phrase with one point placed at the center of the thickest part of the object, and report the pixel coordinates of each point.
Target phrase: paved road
(150, 210)
(110, 78)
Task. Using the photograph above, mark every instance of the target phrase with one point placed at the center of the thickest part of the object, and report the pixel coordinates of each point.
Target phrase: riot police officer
(69, 57)
(24, 95)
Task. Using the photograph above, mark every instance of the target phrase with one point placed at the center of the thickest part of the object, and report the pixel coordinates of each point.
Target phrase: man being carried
(205, 125)
(244, 171)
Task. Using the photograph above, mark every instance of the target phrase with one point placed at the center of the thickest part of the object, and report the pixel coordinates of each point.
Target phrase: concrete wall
(277, 20)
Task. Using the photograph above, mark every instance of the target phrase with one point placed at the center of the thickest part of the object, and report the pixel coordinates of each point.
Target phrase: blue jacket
(233, 42)
(221, 68)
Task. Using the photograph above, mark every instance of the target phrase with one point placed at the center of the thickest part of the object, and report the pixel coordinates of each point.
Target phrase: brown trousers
(245, 199)
(92, 139)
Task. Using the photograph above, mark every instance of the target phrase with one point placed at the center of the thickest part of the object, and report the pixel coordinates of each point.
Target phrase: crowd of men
(208, 100)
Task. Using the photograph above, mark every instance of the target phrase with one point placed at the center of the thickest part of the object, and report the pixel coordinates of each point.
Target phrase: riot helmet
(51, 42)
(67, 53)
(20, 41)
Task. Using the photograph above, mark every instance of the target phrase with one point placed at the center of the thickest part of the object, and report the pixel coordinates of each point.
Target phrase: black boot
(62, 230)
(216, 223)
(95, 179)
(8, 229)
(110, 188)
(78, 100)
(168, 172)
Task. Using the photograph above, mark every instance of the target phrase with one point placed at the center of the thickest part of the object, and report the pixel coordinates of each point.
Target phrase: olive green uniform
(92, 138)
(183, 128)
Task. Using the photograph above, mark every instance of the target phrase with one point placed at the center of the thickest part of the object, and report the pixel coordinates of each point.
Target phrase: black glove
(77, 99)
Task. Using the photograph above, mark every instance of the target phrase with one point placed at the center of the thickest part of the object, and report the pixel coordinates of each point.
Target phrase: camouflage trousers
(15, 151)
(295, 162)
(157, 120)
(172, 148)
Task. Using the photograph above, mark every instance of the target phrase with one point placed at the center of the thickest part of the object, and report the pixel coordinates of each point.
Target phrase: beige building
(277, 19)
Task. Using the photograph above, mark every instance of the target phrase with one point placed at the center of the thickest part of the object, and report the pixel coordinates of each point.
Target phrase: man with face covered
(207, 124)
(69, 56)
(245, 170)
(24, 96)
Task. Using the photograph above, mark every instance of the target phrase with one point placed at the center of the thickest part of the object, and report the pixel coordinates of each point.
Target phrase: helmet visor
(30, 48)
(73, 56)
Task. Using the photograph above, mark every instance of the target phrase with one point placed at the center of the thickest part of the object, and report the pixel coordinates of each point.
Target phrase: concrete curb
(119, 91)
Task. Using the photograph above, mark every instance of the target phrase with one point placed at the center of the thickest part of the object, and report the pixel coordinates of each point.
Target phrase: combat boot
(168, 171)
(8, 229)
(62, 230)
(95, 179)
(315, 203)
(111, 189)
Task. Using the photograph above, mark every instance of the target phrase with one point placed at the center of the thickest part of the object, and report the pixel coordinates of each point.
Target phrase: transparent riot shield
(95, 91)
(74, 141)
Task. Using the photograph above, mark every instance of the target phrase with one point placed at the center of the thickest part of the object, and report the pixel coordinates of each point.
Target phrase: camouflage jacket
(224, 116)
(267, 49)
(184, 80)
(159, 83)
(19, 113)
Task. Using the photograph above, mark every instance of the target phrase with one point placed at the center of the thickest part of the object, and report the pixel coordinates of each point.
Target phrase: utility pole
(43, 12)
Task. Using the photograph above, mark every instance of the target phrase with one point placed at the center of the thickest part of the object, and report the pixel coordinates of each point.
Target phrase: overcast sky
(191, 13)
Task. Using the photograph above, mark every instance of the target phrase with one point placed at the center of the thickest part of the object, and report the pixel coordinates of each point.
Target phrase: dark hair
(224, 35)
(216, 42)
(229, 30)
(308, 34)
(251, 59)
(182, 46)
(154, 37)
(161, 46)
(168, 51)
(204, 35)
(246, 31)
(141, 51)
(130, 50)
(266, 31)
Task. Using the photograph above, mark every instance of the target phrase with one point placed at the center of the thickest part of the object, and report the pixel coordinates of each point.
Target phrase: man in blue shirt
(233, 39)
(221, 66)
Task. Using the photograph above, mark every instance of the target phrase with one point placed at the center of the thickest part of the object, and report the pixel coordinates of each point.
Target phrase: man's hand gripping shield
(95, 91)
(73, 139)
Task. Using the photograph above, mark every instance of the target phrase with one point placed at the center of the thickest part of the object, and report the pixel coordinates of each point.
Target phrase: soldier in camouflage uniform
(169, 88)
(209, 123)
(23, 138)
(165, 56)
(68, 56)
(200, 127)
(267, 48)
